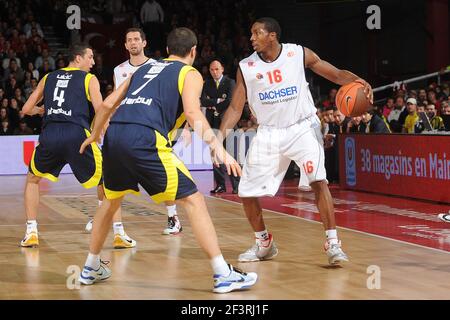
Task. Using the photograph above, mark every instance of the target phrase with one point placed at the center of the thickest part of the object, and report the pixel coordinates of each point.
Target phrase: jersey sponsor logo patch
(59, 111)
(276, 94)
(259, 76)
(140, 100)
(64, 76)
(62, 83)
(291, 54)
(251, 64)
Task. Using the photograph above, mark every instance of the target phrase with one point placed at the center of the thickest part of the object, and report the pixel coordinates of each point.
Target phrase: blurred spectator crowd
(423, 111)
(222, 29)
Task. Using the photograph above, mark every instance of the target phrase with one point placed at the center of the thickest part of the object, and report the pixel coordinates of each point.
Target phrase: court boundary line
(339, 227)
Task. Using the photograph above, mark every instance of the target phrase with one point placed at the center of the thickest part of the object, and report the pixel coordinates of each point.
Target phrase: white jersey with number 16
(277, 92)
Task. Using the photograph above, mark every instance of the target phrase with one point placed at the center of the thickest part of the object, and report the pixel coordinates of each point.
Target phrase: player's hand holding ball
(354, 98)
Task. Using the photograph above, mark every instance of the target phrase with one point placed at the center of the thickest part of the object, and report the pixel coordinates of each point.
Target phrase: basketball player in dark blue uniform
(71, 96)
(154, 102)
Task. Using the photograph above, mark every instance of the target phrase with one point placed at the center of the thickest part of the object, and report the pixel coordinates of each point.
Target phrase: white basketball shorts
(271, 152)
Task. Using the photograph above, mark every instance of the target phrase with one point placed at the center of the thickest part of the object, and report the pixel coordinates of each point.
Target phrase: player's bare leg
(31, 197)
(253, 212)
(121, 239)
(102, 221)
(226, 278)
(264, 248)
(324, 203)
(201, 223)
(94, 269)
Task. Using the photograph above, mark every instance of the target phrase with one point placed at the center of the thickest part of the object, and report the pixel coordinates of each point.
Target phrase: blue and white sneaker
(236, 280)
(335, 253)
(88, 276)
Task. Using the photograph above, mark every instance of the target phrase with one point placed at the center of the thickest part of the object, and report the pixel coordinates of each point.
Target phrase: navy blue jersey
(66, 97)
(153, 98)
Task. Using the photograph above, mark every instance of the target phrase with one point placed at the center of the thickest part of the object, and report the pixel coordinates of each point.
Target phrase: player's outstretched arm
(105, 111)
(330, 72)
(192, 90)
(30, 108)
(234, 111)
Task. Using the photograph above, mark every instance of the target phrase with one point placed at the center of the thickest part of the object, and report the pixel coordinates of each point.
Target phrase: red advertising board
(415, 166)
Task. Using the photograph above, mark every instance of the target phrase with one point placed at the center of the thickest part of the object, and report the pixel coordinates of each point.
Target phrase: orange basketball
(351, 99)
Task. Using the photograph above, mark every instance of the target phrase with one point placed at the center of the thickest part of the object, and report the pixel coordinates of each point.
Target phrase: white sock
(31, 226)
(171, 210)
(332, 236)
(262, 235)
(220, 266)
(100, 202)
(93, 261)
(118, 228)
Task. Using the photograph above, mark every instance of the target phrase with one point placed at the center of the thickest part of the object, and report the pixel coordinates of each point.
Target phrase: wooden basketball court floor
(174, 267)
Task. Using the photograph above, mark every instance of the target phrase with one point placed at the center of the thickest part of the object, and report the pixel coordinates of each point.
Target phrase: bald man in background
(216, 97)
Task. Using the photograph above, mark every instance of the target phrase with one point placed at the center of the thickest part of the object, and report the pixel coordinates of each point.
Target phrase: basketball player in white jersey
(273, 82)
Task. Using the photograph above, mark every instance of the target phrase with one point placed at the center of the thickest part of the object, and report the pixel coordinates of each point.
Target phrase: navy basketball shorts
(137, 155)
(59, 144)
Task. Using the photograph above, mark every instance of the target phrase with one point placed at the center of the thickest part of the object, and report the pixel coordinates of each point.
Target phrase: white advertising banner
(16, 153)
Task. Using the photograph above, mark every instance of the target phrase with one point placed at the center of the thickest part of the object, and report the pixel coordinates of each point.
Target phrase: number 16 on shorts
(308, 167)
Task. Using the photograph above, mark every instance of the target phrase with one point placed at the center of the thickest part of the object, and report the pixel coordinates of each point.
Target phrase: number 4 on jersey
(59, 98)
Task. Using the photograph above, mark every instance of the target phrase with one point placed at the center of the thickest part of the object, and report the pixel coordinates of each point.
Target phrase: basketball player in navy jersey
(71, 96)
(273, 82)
(135, 43)
(154, 102)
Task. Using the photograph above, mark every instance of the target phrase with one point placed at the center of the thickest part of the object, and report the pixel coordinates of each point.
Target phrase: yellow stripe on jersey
(45, 78)
(37, 173)
(95, 179)
(70, 69)
(172, 133)
(182, 76)
(181, 119)
(86, 85)
(165, 154)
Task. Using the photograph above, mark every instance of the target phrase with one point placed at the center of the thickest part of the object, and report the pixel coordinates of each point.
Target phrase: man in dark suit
(373, 123)
(216, 97)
